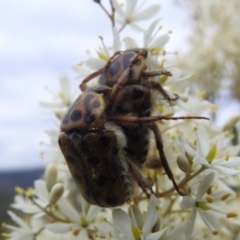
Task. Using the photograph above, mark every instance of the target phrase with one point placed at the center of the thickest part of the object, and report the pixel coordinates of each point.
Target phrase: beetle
(127, 67)
(94, 149)
(105, 132)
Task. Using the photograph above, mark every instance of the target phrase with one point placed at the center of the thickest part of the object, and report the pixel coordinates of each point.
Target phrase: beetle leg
(110, 60)
(126, 119)
(83, 85)
(158, 87)
(143, 183)
(156, 73)
(164, 162)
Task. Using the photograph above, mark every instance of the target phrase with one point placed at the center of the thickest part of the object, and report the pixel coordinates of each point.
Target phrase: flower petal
(122, 222)
(17, 220)
(160, 41)
(59, 227)
(95, 63)
(156, 235)
(210, 220)
(146, 13)
(92, 212)
(130, 7)
(190, 223)
(41, 188)
(231, 162)
(204, 185)
(225, 170)
(130, 43)
(203, 141)
(187, 202)
(136, 216)
(152, 215)
(136, 27)
(187, 147)
(68, 210)
(82, 235)
(149, 32)
(116, 40)
(201, 161)
(118, 8)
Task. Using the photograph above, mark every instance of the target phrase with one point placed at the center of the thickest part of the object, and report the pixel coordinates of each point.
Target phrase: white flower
(93, 64)
(131, 15)
(23, 204)
(23, 232)
(79, 222)
(205, 205)
(208, 155)
(63, 98)
(151, 40)
(44, 196)
(54, 154)
(136, 225)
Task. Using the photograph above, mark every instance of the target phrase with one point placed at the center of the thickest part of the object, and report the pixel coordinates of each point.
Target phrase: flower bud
(55, 193)
(51, 176)
(183, 164)
(231, 122)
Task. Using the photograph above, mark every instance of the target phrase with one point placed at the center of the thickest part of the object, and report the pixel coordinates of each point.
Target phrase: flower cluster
(213, 48)
(204, 163)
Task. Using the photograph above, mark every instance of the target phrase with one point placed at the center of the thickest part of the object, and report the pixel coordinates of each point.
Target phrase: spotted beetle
(94, 149)
(105, 133)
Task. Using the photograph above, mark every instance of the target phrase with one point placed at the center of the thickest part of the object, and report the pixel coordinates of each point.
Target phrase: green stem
(183, 182)
(50, 214)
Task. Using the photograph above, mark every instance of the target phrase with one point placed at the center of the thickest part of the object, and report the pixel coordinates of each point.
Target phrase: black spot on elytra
(93, 160)
(104, 140)
(70, 159)
(101, 180)
(87, 102)
(76, 115)
(89, 117)
(88, 98)
(96, 104)
(77, 178)
(102, 79)
(112, 201)
(114, 68)
(129, 152)
(126, 59)
(137, 93)
(93, 194)
(66, 116)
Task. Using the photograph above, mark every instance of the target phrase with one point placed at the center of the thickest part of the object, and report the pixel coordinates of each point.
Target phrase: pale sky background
(39, 41)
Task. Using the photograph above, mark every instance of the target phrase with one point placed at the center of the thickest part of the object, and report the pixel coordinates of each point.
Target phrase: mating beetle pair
(105, 133)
